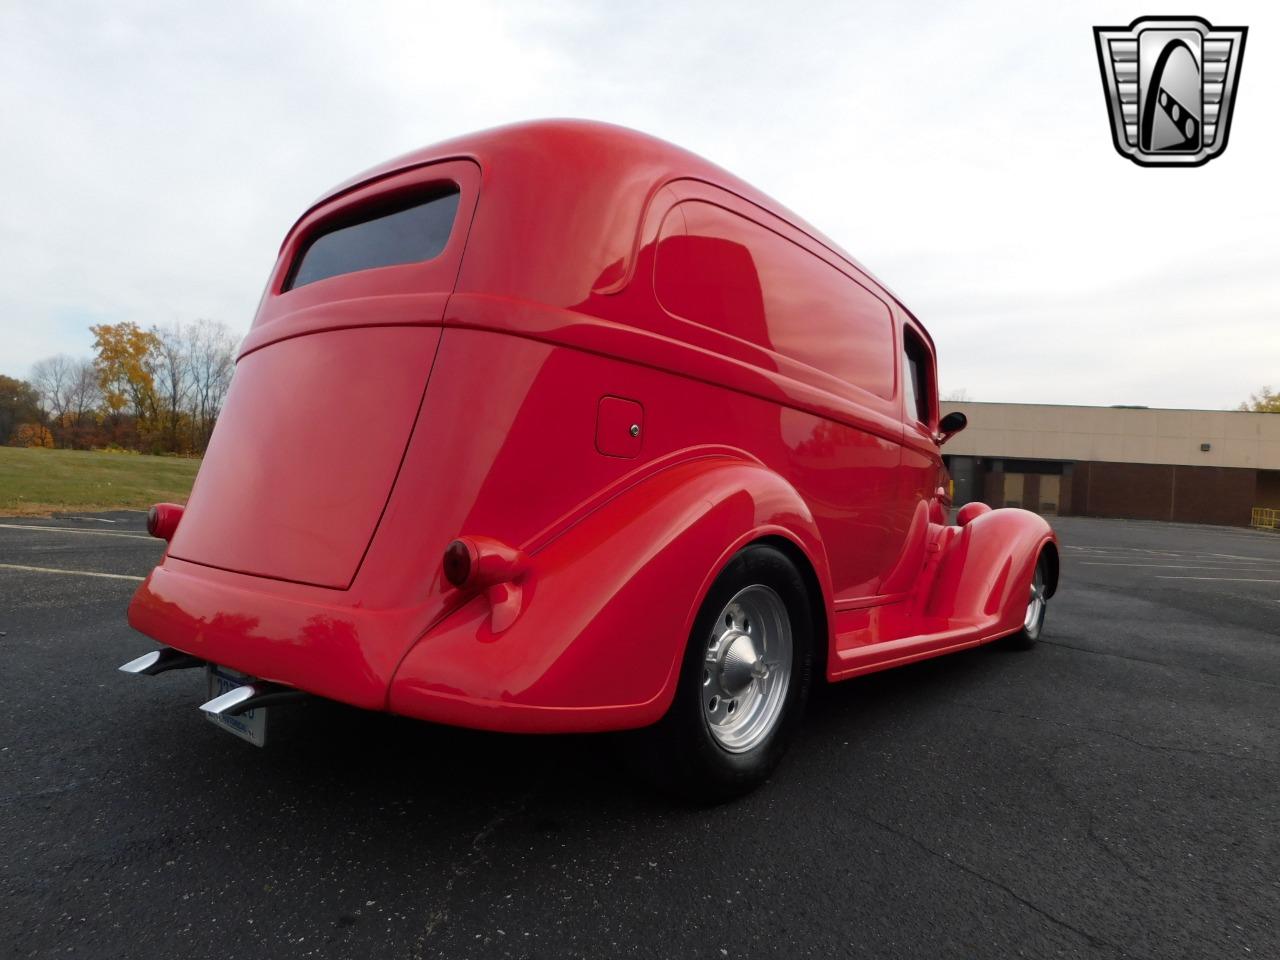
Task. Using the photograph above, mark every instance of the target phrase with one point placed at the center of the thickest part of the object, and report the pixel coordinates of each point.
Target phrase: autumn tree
(1263, 402)
(159, 389)
(126, 363)
(19, 405)
(32, 434)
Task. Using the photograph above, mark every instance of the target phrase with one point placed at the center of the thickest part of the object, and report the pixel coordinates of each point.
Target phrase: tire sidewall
(1033, 634)
(1025, 639)
(704, 758)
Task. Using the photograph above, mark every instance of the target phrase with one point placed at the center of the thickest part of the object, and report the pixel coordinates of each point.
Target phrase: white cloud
(155, 155)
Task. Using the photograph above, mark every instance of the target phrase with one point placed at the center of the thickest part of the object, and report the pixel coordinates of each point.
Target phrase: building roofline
(1088, 406)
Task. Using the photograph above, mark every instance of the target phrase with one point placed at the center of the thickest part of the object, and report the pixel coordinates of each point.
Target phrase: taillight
(162, 520)
(482, 562)
(458, 563)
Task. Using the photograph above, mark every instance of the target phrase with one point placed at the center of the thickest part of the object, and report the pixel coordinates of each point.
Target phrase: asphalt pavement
(1114, 792)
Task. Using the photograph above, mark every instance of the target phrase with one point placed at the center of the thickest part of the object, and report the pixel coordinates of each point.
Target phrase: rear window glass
(406, 234)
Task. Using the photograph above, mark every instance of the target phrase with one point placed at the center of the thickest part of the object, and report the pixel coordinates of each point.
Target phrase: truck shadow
(328, 748)
(399, 809)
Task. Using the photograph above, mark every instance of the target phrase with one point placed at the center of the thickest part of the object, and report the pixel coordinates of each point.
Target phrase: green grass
(40, 482)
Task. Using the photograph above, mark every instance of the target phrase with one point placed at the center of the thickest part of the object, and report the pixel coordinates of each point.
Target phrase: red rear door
(330, 382)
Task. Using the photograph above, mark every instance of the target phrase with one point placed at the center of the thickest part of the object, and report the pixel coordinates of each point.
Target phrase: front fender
(985, 570)
(605, 608)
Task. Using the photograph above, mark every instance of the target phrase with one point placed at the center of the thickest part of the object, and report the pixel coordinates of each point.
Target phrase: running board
(250, 696)
(158, 661)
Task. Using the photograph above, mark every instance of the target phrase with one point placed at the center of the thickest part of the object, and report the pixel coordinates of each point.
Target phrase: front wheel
(1037, 605)
(743, 681)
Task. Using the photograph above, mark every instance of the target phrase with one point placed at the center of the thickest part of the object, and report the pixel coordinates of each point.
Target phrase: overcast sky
(153, 155)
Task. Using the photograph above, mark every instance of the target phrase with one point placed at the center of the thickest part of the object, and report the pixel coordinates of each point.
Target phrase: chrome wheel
(1035, 605)
(747, 668)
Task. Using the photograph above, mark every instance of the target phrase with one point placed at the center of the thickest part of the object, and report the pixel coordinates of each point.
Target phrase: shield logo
(1170, 84)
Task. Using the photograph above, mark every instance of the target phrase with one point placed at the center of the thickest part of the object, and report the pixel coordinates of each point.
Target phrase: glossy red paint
(564, 390)
(971, 511)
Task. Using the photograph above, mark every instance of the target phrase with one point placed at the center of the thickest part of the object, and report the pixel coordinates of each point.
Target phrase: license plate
(250, 725)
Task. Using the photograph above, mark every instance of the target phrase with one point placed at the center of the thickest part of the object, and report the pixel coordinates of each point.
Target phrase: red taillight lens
(457, 563)
(162, 520)
(481, 562)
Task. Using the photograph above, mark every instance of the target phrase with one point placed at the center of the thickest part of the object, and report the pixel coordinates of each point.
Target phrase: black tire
(1033, 629)
(680, 751)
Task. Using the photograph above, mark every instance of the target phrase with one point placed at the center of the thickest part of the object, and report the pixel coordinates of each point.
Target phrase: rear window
(402, 234)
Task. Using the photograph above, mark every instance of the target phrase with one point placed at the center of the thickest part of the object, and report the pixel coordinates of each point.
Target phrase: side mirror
(950, 425)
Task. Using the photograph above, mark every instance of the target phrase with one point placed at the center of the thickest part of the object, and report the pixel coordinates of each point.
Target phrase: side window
(917, 373)
(730, 273)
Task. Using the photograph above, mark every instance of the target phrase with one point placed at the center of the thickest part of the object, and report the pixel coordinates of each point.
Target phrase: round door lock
(635, 429)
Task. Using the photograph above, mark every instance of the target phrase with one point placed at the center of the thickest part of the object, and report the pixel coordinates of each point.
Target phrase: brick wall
(1223, 495)
(1147, 491)
(1268, 494)
(1066, 490)
(993, 489)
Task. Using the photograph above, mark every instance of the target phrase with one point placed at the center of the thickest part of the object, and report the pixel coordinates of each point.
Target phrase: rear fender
(605, 608)
(985, 569)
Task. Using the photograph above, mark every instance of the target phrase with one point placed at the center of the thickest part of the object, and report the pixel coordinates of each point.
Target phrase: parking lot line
(74, 573)
(1176, 566)
(1223, 579)
(87, 533)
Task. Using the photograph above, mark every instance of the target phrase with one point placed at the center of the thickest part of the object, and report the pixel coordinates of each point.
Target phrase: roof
(584, 184)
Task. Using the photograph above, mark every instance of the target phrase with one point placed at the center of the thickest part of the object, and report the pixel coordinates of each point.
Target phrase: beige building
(1204, 466)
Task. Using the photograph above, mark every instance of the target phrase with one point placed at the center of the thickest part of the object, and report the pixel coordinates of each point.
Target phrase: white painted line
(87, 533)
(73, 573)
(93, 519)
(1176, 566)
(1131, 551)
(1136, 554)
(1223, 579)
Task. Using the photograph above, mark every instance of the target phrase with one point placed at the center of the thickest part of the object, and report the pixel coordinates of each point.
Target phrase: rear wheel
(1037, 605)
(743, 681)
